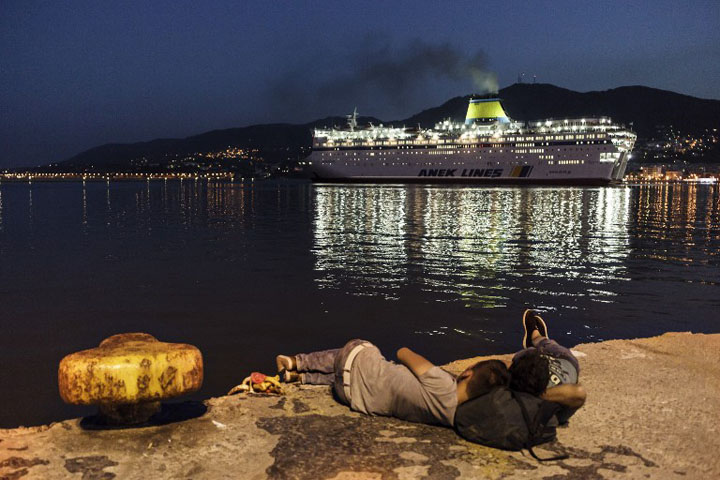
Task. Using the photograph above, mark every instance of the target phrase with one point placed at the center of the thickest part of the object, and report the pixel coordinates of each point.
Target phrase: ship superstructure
(488, 147)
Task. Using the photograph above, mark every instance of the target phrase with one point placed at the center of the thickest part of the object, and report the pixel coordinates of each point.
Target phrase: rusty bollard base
(128, 375)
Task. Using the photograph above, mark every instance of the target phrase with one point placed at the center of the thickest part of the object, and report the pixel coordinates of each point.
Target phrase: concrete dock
(653, 411)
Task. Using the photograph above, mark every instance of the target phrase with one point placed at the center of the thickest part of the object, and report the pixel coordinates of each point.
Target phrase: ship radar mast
(352, 120)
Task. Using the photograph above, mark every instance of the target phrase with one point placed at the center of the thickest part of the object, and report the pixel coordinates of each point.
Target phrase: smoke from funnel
(398, 73)
(485, 82)
(380, 76)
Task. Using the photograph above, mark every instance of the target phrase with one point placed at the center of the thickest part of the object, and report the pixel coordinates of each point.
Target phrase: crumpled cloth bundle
(259, 383)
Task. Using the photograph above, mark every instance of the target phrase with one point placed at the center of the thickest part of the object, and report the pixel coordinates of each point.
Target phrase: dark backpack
(508, 420)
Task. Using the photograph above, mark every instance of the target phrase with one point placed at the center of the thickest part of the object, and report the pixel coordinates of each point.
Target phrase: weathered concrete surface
(653, 411)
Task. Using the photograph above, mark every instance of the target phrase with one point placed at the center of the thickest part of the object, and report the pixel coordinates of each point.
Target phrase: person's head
(530, 373)
(483, 377)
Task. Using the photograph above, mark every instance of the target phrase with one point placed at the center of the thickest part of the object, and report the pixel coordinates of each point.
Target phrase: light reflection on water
(679, 226)
(244, 269)
(468, 242)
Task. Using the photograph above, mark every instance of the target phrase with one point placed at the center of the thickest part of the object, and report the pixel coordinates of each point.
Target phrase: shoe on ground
(285, 362)
(531, 322)
(290, 376)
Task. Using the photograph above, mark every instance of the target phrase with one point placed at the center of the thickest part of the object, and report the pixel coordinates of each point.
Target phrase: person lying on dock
(416, 390)
(546, 369)
(413, 389)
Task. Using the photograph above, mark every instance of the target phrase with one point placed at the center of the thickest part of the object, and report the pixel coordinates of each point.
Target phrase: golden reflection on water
(687, 214)
(229, 200)
(193, 201)
(471, 242)
(475, 243)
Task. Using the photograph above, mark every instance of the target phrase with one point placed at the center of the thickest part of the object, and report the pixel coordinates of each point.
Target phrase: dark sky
(76, 74)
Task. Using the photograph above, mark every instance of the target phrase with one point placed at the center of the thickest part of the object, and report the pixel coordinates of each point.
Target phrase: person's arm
(416, 363)
(569, 394)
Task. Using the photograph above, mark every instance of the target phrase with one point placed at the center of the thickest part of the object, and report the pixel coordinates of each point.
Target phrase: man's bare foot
(285, 362)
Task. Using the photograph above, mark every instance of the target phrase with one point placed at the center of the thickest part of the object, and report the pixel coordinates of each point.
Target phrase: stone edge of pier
(652, 411)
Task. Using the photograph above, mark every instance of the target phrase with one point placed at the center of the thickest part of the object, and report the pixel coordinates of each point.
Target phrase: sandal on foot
(531, 322)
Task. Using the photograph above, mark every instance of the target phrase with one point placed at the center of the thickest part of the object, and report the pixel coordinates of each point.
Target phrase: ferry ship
(488, 147)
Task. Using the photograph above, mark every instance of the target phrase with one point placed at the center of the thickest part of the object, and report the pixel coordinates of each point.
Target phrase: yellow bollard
(128, 375)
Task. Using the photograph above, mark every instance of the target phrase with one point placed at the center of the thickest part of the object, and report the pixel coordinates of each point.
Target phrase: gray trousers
(553, 349)
(326, 367)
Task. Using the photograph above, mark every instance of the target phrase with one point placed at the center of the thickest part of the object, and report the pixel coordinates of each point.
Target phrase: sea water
(247, 270)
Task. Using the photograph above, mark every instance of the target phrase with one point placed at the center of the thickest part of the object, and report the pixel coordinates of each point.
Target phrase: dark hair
(485, 376)
(529, 373)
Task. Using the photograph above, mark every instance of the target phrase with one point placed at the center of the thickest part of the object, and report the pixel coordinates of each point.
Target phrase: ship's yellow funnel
(485, 110)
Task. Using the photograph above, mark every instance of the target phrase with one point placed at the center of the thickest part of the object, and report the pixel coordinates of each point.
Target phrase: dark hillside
(644, 107)
(454, 108)
(271, 139)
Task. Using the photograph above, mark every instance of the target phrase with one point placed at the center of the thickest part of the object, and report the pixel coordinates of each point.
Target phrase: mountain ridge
(644, 107)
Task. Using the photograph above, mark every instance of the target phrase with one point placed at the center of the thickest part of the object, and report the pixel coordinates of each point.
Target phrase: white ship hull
(487, 148)
(579, 165)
